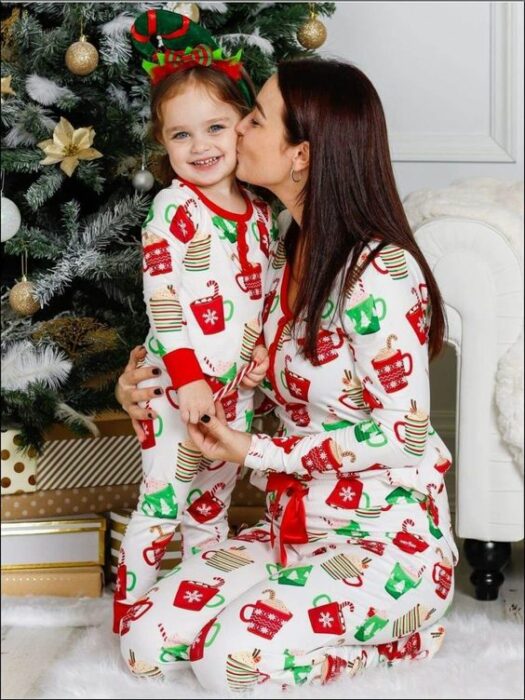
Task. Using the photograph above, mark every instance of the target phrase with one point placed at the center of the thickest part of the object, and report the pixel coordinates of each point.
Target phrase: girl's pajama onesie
(204, 275)
(354, 563)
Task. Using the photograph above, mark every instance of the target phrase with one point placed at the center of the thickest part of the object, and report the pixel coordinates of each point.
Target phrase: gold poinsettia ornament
(68, 146)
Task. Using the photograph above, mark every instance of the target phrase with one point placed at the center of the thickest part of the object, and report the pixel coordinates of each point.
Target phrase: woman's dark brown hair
(350, 195)
(219, 84)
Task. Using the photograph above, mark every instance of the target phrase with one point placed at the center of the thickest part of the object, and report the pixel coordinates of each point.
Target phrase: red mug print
(442, 575)
(209, 311)
(271, 300)
(126, 581)
(346, 494)
(207, 505)
(368, 397)
(265, 618)
(229, 404)
(148, 426)
(253, 536)
(154, 553)
(194, 595)
(328, 618)
(392, 371)
(326, 348)
(181, 225)
(417, 316)
(250, 280)
(298, 413)
(157, 259)
(205, 638)
(136, 611)
(407, 541)
(322, 458)
(297, 386)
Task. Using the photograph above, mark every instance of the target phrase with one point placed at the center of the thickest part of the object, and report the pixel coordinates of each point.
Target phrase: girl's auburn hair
(217, 83)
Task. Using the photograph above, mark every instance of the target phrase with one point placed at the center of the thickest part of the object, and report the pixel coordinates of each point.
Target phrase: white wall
(450, 75)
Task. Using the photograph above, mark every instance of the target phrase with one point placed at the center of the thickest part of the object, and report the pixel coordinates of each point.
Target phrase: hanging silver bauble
(143, 180)
(11, 219)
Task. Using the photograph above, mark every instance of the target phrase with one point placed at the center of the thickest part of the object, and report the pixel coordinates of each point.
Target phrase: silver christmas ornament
(143, 180)
(11, 219)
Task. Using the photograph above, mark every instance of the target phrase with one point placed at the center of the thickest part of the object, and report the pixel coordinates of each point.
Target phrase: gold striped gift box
(68, 461)
(118, 521)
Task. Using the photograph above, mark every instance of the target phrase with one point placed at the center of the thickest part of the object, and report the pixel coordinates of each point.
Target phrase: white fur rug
(500, 204)
(482, 657)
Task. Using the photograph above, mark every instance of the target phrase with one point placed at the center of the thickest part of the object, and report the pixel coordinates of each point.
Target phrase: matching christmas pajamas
(354, 565)
(204, 271)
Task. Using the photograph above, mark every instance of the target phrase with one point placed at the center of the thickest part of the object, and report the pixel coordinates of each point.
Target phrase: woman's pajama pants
(337, 607)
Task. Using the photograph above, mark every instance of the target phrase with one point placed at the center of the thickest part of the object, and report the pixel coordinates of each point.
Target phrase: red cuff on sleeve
(183, 367)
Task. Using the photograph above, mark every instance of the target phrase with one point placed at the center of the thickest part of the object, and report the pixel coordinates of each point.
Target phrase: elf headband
(186, 45)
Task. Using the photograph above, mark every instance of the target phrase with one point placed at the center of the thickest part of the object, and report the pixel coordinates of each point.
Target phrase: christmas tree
(79, 168)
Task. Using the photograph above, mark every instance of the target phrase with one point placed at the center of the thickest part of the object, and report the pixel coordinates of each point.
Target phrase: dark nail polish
(205, 418)
(157, 392)
(156, 371)
(150, 416)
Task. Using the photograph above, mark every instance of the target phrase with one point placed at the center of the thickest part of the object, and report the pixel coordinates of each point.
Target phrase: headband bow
(187, 45)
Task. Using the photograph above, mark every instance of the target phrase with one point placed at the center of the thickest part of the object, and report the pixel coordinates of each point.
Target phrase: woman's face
(263, 156)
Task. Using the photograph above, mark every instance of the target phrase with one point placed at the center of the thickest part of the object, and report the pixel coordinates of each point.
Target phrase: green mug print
(291, 576)
(156, 347)
(178, 652)
(328, 309)
(368, 431)
(366, 317)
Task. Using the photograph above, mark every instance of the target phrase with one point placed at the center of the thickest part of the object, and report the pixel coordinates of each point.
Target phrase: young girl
(206, 246)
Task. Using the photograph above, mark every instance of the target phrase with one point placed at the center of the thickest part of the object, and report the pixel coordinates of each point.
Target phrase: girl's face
(199, 135)
(264, 157)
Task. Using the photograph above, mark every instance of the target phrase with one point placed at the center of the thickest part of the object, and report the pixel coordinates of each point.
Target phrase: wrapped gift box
(18, 471)
(112, 458)
(36, 544)
(61, 502)
(72, 582)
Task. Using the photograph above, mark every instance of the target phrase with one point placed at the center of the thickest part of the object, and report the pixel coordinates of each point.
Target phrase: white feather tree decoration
(69, 415)
(254, 39)
(23, 364)
(44, 91)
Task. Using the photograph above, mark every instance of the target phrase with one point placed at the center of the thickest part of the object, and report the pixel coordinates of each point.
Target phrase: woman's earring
(292, 175)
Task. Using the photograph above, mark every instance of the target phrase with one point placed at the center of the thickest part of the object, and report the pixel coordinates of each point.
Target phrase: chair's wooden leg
(487, 559)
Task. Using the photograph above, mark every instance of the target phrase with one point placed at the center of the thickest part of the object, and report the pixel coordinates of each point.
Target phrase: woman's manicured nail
(150, 416)
(157, 392)
(156, 371)
(205, 418)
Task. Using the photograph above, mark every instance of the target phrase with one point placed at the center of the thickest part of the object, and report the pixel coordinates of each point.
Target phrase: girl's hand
(195, 399)
(255, 377)
(128, 395)
(218, 441)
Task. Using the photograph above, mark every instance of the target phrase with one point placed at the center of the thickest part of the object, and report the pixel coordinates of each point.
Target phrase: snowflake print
(264, 630)
(204, 509)
(271, 616)
(193, 596)
(211, 317)
(347, 493)
(294, 388)
(326, 619)
(399, 363)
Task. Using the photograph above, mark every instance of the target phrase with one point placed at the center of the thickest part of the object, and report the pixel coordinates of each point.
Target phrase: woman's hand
(217, 441)
(128, 395)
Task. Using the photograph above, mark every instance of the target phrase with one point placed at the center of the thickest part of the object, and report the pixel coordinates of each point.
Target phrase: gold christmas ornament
(312, 34)
(8, 49)
(82, 57)
(188, 9)
(6, 88)
(21, 298)
(68, 146)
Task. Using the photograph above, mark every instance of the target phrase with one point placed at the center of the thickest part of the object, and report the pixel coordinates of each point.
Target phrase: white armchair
(481, 281)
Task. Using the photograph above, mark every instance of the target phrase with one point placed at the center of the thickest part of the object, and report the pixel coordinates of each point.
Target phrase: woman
(354, 565)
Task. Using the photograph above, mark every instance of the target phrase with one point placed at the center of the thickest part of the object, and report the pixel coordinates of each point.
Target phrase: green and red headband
(186, 45)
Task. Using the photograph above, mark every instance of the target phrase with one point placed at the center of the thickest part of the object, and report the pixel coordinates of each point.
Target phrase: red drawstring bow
(293, 521)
